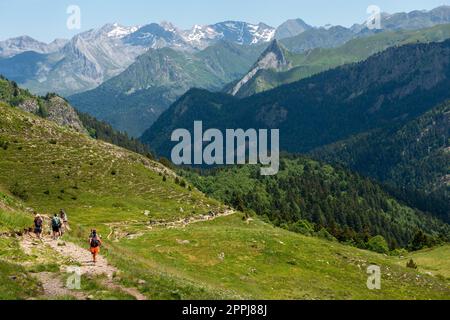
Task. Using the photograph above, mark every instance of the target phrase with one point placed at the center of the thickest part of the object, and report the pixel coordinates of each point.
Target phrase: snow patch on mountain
(119, 31)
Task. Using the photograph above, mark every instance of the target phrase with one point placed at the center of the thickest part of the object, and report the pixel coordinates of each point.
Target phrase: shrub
(411, 264)
(324, 234)
(398, 252)
(420, 241)
(378, 244)
(42, 111)
(4, 144)
(302, 227)
(166, 162)
(19, 191)
(16, 101)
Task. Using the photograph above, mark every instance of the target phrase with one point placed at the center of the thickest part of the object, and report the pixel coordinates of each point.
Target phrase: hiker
(56, 227)
(38, 221)
(94, 243)
(65, 223)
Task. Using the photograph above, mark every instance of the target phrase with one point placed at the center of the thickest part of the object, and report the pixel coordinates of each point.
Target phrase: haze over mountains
(135, 99)
(144, 105)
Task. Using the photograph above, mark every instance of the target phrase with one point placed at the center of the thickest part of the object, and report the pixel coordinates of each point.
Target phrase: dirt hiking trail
(80, 257)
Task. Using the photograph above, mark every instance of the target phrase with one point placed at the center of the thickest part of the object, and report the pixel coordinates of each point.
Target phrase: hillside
(412, 159)
(317, 60)
(51, 166)
(123, 195)
(307, 196)
(391, 87)
(133, 100)
(58, 110)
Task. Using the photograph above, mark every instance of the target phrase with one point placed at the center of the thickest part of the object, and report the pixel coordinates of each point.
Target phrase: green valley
(133, 201)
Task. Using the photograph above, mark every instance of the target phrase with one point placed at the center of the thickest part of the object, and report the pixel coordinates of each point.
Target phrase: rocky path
(116, 229)
(81, 257)
(73, 255)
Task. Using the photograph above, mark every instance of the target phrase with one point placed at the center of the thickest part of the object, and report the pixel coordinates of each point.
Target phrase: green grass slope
(106, 187)
(233, 258)
(434, 261)
(15, 281)
(50, 167)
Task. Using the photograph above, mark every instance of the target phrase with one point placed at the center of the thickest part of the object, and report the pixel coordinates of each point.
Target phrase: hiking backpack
(95, 242)
(38, 223)
(56, 222)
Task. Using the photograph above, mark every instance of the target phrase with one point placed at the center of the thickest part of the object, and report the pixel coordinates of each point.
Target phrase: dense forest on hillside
(391, 87)
(307, 196)
(413, 161)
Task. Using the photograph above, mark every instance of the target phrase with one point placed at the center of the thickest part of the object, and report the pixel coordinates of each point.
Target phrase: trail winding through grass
(80, 257)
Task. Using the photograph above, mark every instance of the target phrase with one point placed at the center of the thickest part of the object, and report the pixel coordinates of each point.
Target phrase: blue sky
(46, 19)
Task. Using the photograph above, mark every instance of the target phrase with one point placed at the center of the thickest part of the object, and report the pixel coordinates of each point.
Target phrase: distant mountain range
(199, 37)
(289, 67)
(14, 46)
(90, 58)
(94, 56)
(84, 62)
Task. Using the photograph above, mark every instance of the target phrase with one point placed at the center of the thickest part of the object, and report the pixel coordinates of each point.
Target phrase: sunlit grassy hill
(47, 167)
(51, 167)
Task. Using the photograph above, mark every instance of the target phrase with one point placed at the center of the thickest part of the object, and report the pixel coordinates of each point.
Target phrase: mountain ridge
(135, 98)
(303, 65)
(321, 109)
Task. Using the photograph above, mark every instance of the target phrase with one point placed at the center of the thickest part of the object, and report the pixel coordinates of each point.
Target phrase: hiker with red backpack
(95, 244)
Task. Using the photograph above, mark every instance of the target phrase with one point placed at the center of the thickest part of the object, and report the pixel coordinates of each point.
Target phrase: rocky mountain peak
(273, 57)
(291, 28)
